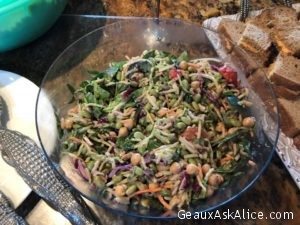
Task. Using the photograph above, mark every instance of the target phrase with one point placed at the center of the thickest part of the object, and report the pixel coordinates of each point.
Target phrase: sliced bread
(289, 115)
(285, 71)
(274, 17)
(256, 40)
(232, 30)
(261, 86)
(287, 39)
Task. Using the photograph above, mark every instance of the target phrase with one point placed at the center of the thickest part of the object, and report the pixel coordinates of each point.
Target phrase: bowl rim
(136, 215)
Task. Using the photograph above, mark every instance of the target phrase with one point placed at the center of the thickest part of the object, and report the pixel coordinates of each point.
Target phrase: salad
(159, 131)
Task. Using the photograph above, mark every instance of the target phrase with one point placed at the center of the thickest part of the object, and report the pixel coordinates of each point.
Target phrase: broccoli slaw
(159, 131)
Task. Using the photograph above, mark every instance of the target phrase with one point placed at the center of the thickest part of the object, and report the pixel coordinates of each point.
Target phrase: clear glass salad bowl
(112, 43)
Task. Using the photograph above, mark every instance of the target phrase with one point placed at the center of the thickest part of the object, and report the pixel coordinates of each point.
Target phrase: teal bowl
(22, 21)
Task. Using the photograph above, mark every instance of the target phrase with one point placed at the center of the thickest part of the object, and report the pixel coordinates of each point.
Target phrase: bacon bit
(163, 202)
(174, 74)
(229, 74)
(190, 133)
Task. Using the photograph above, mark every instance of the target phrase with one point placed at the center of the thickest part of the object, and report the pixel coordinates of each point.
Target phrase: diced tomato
(190, 133)
(229, 74)
(174, 74)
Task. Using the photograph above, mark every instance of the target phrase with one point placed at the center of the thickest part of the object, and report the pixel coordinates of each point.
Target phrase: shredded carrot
(163, 202)
(153, 190)
(226, 159)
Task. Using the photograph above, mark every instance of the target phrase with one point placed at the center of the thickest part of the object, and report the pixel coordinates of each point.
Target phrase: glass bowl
(113, 42)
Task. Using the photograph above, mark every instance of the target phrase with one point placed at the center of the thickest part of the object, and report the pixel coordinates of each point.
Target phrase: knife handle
(32, 164)
(7, 215)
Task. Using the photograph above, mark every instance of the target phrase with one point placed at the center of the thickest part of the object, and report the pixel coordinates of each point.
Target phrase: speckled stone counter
(275, 190)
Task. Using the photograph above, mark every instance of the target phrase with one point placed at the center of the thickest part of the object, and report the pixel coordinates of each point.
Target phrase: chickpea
(248, 122)
(215, 179)
(135, 159)
(161, 167)
(195, 84)
(183, 65)
(205, 168)
(123, 132)
(175, 168)
(128, 123)
(126, 156)
(120, 190)
(210, 191)
(192, 169)
(191, 69)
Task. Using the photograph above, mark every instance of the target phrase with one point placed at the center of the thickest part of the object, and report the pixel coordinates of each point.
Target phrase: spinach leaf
(103, 94)
(125, 143)
(152, 144)
(97, 112)
(183, 57)
(149, 54)
(115, 67)
(135, 94)
(144, 67)
(96, 74)
(116, 103)
(90, 98)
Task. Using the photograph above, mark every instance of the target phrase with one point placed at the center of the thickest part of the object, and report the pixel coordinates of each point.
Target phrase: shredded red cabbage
(119, 168)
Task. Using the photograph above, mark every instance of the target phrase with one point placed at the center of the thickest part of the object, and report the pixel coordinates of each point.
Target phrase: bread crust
(289, 117)
(287, 40)
(285, 71)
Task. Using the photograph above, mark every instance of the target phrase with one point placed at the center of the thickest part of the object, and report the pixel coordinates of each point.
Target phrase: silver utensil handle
(7, 215)
(244, 11)
(35, 168)
(288, 3)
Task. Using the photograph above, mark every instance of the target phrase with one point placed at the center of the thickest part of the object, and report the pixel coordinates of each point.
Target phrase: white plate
(20, 96)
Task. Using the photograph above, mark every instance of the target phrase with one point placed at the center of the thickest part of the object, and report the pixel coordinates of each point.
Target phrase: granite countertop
(274, 191)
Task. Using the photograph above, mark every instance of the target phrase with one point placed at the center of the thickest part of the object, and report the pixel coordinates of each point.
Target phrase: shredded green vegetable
(158, 129)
